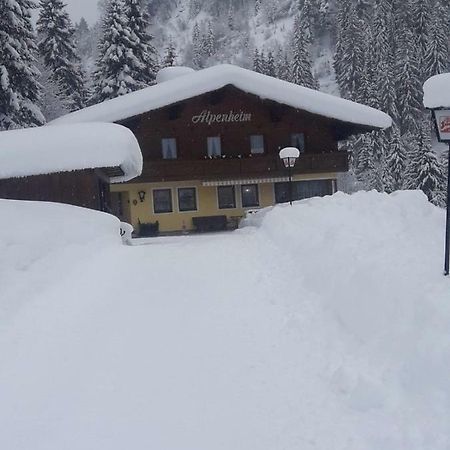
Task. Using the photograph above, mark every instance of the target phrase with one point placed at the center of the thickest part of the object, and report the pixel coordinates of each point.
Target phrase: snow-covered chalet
(211, 139)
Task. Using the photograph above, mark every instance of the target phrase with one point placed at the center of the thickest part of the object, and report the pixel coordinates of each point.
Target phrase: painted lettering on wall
(209, 118)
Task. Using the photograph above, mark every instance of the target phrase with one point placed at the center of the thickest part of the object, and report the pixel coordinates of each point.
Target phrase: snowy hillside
(321, 326)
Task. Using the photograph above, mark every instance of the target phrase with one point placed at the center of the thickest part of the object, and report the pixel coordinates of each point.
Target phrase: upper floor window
(169, 148)
(214, 146)
(257, 143)
(298, 141)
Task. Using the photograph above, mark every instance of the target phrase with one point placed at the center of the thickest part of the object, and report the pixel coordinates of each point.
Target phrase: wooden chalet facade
(212, 155)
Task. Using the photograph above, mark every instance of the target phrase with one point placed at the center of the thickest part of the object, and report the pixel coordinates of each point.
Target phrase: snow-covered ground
(319, 326)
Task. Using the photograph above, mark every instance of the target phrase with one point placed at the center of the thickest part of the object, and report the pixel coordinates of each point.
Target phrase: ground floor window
(162, 201)
(187, 199)
(303, 189)
(250, 196)
(226, 197)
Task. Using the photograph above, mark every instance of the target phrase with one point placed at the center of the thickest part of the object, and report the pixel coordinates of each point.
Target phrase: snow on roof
(65, 148)
(213, 78)
(170, 73)
(436, 92)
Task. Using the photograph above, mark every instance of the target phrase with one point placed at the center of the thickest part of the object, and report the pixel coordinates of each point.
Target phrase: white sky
(83, 8)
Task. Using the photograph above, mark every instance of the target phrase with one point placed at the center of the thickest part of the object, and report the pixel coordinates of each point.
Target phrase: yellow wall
(206, 202)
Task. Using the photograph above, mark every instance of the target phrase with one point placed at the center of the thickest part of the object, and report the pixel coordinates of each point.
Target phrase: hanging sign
(207, 117)
(442, 117)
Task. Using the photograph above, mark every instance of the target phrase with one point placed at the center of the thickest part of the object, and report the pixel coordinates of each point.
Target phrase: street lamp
(437, 100)
(289, 156)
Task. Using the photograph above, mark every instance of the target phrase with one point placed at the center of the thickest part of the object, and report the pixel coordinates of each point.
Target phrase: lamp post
(442, 122)
(289, 156)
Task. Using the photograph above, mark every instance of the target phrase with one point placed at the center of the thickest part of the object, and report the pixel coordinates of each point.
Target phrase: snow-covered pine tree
(351, 64)
(341, 50)
(116, 62)
(144, 54)
(19, 88)
(197, 50)
(395, 163)
(231, 16)
(425, 171)
(59, 54)
(283, 66)
(269, 65)
(209, 42)
(301, 72)
(421, 17)
(170, 55)
(257, 61)
(436, 58)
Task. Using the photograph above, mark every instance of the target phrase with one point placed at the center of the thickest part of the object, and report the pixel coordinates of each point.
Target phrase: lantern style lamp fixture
(289, 156)
(141, 196)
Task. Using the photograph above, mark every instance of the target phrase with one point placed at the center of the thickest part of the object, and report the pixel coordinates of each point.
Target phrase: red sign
(444, 124)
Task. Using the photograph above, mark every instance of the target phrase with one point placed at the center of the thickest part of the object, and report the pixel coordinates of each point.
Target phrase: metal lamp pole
(447, 224)
(289, 156)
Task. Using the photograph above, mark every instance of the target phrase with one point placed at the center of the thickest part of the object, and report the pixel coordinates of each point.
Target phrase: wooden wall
(275, 122)
(79, 188)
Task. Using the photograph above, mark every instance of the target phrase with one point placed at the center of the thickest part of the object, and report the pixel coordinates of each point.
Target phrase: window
(250, 196)
(226, 197)
(169, 148)
(162, 201)
(257, 143)
(187, 199)
(298, 141)
(214, 146)
(303, 189)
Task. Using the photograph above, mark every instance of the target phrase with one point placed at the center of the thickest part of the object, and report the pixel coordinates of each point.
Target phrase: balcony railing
(223, 168)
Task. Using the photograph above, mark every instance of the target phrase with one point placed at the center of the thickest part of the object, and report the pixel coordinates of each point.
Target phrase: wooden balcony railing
(224, 168)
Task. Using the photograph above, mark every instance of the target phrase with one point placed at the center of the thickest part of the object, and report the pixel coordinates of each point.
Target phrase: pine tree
(170, 55)
(396, 162)
(270, 68)
(144, 59)
(209, 40)
(425, 171)
(116, 62)
(19, 89)
(257, 62)
(301, 63)
(421, 16)
(58, 50)
(231, 16)
(436, 58)
(197, 57)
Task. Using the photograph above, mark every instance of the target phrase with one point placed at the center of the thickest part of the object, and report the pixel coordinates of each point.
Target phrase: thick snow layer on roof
(436, 92)
(65, 148)
(213, 78)
(170, 73)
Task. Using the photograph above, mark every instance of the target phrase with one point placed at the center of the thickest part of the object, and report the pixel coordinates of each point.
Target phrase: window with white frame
(214, 146)
(187, 199)
(169, 148)
(162, 201)
(257, 144)
(226, 197)
(250, 195)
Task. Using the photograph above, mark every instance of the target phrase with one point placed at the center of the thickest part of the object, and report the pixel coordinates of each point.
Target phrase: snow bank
(42, 242)
(323, 326)
(44, 150)
(213, 78)
(436, 91)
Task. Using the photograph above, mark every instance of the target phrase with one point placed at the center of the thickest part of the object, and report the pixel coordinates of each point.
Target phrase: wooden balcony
(225, 168)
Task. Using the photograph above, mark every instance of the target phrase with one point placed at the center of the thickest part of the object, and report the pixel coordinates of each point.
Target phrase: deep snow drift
(318, 326)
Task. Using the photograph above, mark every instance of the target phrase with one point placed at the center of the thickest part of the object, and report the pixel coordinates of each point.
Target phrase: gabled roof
(66, 148)
(213, 78)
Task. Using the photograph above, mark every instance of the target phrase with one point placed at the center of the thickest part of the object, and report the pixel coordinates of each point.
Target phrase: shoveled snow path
(257, 339)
